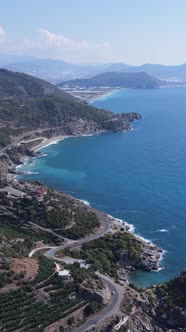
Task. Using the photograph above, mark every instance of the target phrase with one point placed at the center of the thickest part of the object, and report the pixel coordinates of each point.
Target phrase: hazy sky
(130, 31)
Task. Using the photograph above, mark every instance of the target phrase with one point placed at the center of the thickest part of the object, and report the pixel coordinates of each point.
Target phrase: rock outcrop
(95, 291)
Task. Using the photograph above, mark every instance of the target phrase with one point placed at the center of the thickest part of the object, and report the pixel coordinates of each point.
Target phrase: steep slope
(156, 309)
(26, 86)
(171, 308)
(30, 104)
(112, 79)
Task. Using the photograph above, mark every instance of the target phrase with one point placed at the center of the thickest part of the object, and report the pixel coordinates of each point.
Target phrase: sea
(138, 176)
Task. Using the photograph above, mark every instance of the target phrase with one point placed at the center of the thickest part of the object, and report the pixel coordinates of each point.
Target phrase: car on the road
(113, 292)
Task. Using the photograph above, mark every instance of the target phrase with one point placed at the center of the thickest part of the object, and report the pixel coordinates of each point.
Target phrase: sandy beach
(102, 94)
(89, 95)
(48, 141)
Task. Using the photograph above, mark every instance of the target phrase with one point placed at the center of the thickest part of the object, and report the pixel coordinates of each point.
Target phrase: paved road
(114, 303)
(109, 310)
(116, 298)
(16, 140)
(51, 253)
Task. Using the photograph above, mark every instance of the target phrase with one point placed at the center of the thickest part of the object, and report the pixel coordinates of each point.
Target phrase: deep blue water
(138, 176)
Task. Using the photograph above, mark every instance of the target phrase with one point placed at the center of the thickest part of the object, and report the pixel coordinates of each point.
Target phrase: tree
(90, 308)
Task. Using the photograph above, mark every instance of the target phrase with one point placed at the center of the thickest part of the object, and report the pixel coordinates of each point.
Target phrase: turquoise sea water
(138, 176)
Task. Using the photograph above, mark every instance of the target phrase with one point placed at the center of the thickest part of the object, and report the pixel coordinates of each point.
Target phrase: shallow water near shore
(138, 176)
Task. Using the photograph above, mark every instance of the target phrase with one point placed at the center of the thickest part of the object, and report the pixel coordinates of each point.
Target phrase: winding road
(113, 306)
(106, 228)
(110, 309)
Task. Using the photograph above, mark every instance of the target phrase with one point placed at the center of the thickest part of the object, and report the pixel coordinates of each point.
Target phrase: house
(39, 193)
(13, 192)
(65, 274)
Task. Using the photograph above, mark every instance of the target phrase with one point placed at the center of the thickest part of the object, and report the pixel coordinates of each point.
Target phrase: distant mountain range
(170, 73)
(58, 70)
(112, 79)
(49, 69)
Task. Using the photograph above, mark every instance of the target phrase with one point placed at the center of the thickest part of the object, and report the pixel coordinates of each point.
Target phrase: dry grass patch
(27, 265)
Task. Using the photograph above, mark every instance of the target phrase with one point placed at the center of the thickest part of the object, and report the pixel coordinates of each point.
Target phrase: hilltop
(162, 72)
(14, 84)
(115, 79)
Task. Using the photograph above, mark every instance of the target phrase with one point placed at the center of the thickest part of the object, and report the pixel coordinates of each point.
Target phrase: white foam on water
(131, 227)
(159, 269)
(29, 172)
(162, 255)
(19, 166)
(50, 143)
(164, 230)
(87, 135)
(85, 202)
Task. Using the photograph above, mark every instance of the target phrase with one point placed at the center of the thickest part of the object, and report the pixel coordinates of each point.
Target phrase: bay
(138, 176)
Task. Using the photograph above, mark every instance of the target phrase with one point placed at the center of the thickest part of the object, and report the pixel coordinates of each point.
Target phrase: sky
(91, 31)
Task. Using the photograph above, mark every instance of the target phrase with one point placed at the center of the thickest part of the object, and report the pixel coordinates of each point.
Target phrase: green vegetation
(23, 309)
(105, 253)
(27, 86)
(17, 238)
(85, 222)
(55, 211)
(173, 292)
(25, 231)
(54, 217)
(81, 275)
(92, 308)
(46, 269)
(28, 103)
(50, 111)
(8, 276)
(5, 135)
(13, 246)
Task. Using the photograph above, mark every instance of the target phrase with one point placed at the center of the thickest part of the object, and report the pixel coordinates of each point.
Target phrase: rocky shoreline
(150, 260)
(152, 255)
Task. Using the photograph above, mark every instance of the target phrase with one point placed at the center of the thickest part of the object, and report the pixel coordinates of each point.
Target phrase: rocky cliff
(156, 309)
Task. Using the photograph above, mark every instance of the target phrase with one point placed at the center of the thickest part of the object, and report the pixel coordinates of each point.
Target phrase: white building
(65, 274)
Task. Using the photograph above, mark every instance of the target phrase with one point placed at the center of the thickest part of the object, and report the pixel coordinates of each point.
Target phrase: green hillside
(115, 79)
(29, 104)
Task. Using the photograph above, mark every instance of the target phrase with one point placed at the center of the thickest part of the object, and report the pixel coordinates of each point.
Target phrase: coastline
(54, 140)
(131, 230)
(89, 95)
(101, 95)
(157, 252)
(148, 244)
(48, 141)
